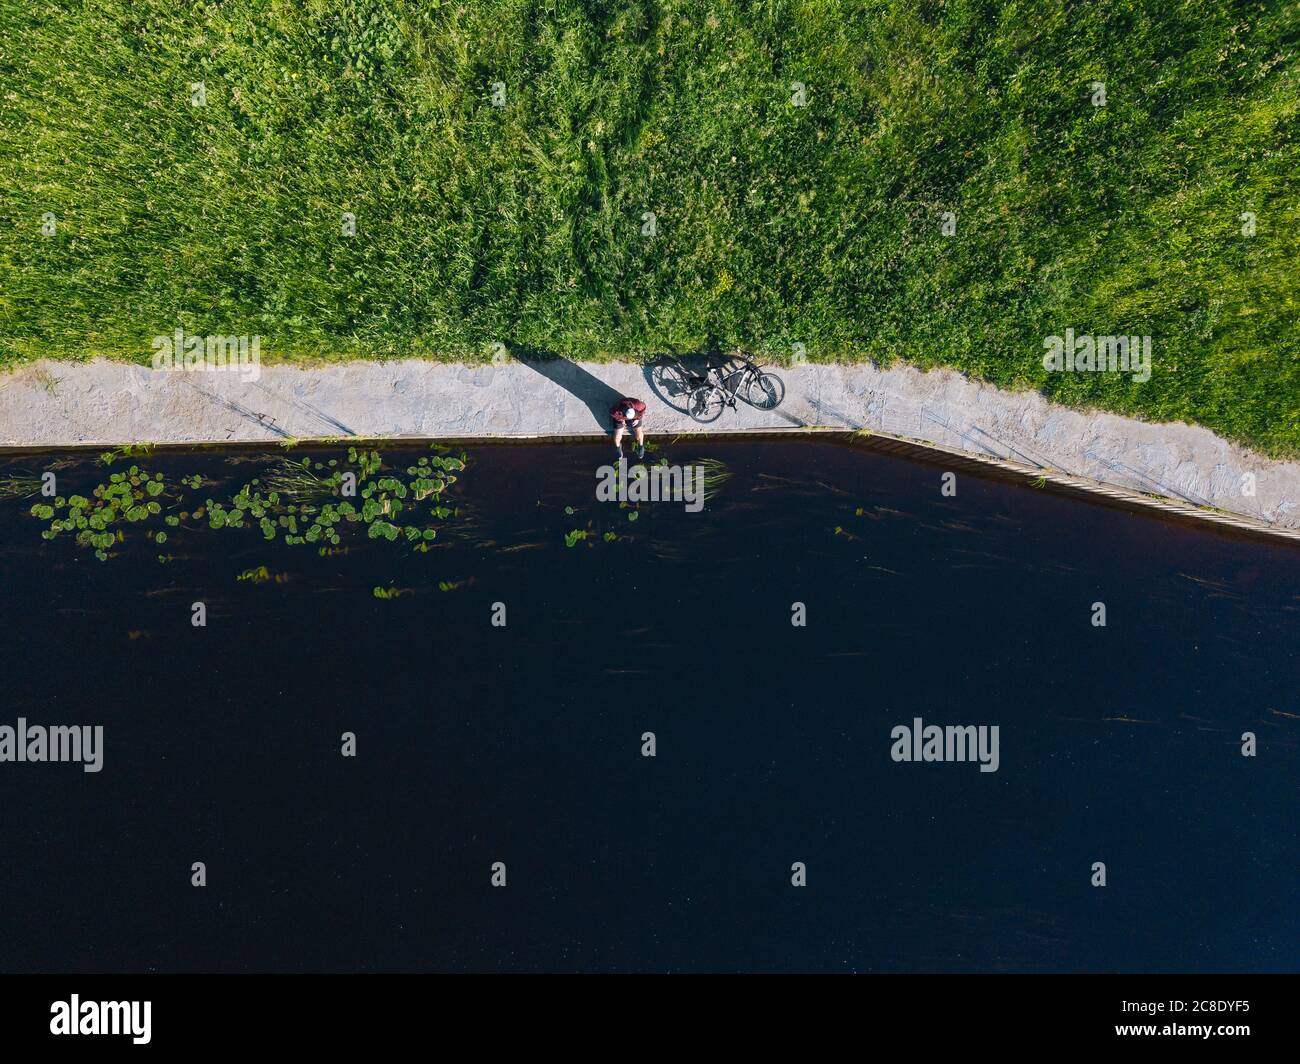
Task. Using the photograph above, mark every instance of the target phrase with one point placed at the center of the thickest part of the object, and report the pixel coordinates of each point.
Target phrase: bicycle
(676, 381)
(737, 377)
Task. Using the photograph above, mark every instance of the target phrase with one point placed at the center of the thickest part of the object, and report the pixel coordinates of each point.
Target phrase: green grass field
(775, 224)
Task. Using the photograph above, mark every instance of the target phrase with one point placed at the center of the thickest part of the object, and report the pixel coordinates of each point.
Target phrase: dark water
(523, 744)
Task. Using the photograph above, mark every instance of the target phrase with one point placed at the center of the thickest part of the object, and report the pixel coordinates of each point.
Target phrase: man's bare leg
(640, 442)
(618, 437)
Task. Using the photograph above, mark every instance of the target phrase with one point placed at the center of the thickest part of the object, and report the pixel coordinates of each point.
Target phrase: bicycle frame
(731, 383)
(723, 379)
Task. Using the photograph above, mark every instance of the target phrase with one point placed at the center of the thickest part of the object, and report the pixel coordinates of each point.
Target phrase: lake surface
(522, 744)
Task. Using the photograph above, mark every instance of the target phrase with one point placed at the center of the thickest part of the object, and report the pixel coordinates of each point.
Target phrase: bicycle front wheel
(706, 403)
(765, 391)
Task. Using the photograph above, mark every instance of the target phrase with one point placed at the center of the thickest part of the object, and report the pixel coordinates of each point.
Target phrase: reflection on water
(521, 742)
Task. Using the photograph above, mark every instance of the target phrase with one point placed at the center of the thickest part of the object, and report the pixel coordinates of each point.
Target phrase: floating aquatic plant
(391, 592)
(134, 496)
(262, 575)
(299, 500)
(579, 535)
(310, 500)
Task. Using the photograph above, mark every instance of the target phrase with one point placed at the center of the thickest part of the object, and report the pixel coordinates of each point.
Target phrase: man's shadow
(575, 380)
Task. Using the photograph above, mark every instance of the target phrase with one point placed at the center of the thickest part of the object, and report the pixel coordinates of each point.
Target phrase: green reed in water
(19, 486)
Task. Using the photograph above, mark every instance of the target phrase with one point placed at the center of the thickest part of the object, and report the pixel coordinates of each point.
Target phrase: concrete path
(52, 404)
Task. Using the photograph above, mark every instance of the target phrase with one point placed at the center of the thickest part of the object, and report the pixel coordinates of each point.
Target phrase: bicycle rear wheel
(706, 403)
(765, 391)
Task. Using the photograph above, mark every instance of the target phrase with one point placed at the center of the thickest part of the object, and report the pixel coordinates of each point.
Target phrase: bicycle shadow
(591, 390)
(673, 375)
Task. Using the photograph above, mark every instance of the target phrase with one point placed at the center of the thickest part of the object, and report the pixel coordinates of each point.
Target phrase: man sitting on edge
(627, 415)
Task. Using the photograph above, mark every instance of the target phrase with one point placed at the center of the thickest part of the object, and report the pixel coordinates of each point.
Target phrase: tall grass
(775, 224)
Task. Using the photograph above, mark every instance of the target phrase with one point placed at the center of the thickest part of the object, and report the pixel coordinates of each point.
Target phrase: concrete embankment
(55, 404)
